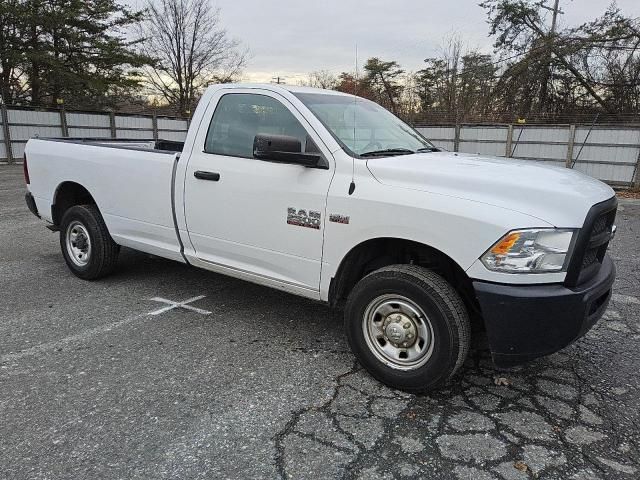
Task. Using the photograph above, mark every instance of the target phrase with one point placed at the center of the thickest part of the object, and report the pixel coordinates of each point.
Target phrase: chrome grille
(590, 257)
(591, 243)
(598, 243)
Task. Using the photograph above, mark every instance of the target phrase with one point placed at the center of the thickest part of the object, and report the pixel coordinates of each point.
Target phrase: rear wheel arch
(67, 195)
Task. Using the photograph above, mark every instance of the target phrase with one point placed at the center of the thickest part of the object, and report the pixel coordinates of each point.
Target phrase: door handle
(201, 175)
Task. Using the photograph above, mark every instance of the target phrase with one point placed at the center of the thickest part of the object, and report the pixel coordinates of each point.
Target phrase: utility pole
(546, 75)
(279, 80)
(554, 19)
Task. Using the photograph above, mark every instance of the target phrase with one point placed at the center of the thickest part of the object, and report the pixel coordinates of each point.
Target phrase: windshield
(363, 128)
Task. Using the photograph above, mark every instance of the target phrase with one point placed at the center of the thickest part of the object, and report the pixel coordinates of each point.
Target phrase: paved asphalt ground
(92, 386)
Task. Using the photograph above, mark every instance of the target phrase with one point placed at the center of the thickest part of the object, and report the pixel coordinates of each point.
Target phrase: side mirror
(283, 149)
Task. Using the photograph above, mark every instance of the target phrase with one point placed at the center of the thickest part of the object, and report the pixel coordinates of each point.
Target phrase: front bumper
(530, 321)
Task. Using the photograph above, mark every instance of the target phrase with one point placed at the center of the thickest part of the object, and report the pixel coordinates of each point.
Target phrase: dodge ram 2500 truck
(331, 197)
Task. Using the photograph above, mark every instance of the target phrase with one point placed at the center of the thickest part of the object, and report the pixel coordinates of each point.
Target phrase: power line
(502, 60)
(496, 62)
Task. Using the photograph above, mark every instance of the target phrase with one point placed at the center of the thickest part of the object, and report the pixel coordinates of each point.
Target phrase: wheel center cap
(395, 332)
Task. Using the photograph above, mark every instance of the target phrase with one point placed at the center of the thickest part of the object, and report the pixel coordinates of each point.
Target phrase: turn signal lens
(506, 244)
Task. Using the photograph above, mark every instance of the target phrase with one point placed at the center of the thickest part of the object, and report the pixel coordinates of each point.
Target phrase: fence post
(456, 138)
(635, 180)
(507, 150)
(63, 123)
(154, 123)
(112, 124)
(7, 136)
(570, 142)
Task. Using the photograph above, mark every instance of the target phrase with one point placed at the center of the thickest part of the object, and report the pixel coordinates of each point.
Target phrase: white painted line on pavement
(79, 337)
(172, 305)
(88, 334)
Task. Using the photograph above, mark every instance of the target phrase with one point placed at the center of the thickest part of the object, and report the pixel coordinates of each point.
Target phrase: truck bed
(130, 181)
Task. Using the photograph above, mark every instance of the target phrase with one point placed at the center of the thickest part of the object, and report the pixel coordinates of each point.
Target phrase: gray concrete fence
(608, 152)
(17, 125)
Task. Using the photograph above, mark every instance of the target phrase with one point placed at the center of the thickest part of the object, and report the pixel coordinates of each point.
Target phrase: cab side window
(239, 117)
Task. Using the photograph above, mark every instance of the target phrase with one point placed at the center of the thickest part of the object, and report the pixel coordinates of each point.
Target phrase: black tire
(103, 252)
(446, 314)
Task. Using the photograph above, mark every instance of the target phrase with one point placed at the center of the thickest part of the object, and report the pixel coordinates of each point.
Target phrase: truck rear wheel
(86, 245)
(408, 327)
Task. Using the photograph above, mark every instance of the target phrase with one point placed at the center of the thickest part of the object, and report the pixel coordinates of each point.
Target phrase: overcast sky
(293, 37)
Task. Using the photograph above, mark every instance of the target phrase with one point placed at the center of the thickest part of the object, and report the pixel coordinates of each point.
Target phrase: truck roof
(279, 88)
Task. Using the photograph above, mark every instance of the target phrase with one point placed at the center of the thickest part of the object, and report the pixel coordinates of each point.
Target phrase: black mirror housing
(276, 143)
(283, 149)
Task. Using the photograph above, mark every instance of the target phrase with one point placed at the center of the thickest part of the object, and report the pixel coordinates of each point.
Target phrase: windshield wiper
(387, 152)
(428, 149)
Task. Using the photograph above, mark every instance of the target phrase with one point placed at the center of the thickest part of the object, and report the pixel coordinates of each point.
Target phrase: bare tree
(190, 48)
(458, 81)
(321, 79)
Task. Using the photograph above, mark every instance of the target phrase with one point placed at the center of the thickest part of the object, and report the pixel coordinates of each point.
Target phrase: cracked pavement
(265, 386)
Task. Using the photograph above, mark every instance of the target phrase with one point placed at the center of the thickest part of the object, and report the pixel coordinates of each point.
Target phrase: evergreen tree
(382, 78)
(73, 50)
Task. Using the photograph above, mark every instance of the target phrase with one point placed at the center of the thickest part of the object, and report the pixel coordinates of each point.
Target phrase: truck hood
(556, 195)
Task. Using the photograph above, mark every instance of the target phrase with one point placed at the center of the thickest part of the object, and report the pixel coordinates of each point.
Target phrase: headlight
(531, 251)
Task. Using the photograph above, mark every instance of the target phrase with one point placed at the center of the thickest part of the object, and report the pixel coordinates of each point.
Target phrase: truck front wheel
(408, 327)
(86, 245)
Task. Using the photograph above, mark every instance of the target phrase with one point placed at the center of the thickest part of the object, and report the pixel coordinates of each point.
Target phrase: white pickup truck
(331, 197)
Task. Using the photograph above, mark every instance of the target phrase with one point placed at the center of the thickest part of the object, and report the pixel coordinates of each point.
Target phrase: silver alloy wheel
(78, 243)
(398, 332)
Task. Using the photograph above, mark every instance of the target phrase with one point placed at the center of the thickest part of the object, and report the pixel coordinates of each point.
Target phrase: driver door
(252, 218)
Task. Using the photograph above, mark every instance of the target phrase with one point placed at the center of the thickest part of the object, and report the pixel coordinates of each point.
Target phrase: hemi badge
(337, 218)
